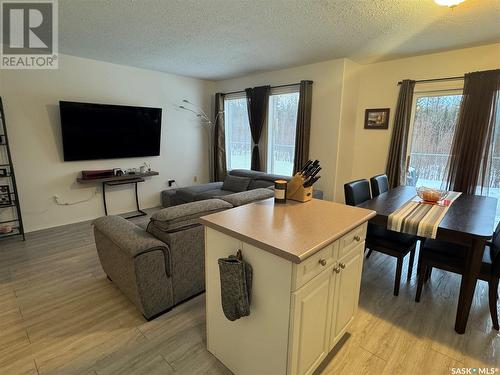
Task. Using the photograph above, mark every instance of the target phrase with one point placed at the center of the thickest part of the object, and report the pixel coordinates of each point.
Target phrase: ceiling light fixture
(449, 3)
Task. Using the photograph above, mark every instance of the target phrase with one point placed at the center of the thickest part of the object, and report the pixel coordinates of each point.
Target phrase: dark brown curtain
(396, 161)
(257, 103)
(219, 143)
(303, 131)
(472, 142)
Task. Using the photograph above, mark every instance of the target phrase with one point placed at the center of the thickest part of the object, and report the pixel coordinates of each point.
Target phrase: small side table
(134, 181)
(120, 180)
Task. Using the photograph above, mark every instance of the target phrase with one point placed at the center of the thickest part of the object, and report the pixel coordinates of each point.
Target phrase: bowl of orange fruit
(431, 195)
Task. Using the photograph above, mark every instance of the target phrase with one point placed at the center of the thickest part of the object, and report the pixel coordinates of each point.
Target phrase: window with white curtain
(278, 139)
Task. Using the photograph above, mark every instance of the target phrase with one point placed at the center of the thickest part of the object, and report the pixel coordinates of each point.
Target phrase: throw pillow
(236, 184)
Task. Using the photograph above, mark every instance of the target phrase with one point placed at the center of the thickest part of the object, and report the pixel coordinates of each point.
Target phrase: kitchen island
(307, 260)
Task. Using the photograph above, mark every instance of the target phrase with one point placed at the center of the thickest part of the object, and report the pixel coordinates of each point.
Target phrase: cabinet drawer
(350, 240)
(314, 265)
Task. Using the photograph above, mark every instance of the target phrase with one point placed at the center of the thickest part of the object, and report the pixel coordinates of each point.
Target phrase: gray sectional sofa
(161, 266)
(237, 180)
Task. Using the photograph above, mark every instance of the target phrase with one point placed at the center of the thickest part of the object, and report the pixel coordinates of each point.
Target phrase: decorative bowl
(431, 195)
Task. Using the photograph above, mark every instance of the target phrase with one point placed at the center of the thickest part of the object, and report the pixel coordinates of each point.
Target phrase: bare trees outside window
(279, 132)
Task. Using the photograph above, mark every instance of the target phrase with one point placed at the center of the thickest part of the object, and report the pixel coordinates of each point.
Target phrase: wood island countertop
(293, 231)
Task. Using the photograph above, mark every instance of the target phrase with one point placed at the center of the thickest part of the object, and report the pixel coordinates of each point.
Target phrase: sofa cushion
(129, 237)
(245, 197)
(245, 173)
(174, 218)
(212, 194)
(235, 183)
(257, 175)
(258, 183)
(188, 194)
(274, 177)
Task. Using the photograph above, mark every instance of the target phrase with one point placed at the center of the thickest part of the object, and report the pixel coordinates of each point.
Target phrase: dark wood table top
(472, 215)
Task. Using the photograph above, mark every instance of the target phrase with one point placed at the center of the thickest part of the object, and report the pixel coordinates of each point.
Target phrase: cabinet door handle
(342, 265)
(357, 238)
(336, 270)
(322, 262)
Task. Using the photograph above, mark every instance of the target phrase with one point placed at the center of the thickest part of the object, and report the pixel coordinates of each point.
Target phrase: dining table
(469, 221)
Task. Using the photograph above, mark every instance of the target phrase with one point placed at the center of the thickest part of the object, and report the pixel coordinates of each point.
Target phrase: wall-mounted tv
(102, 131)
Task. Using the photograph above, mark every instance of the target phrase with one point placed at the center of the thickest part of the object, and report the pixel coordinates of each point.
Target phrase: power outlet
(171, 182)
(195, 179)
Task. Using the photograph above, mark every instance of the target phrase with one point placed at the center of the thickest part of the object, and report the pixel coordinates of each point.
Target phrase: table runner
(420, 218)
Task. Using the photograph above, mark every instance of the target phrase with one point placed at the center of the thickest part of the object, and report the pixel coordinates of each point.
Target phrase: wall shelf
(6, 160)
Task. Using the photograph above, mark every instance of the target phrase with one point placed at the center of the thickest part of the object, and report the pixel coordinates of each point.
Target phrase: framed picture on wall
(377, 118)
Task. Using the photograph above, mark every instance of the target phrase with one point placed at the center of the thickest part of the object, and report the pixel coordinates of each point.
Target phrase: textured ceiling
(216, 39)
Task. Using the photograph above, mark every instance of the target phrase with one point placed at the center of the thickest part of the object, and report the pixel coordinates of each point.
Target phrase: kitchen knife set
(309, 172)
(300, 187)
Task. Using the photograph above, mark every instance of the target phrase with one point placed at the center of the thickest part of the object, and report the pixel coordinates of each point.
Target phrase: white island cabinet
(307, 260)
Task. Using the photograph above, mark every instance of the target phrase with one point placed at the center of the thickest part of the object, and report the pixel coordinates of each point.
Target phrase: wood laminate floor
(60, 315)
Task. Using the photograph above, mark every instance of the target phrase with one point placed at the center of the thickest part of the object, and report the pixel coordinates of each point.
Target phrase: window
(278, 136)
(434, 122)
(282, 122)
(238, 136)
(433, 126)
(493, 183)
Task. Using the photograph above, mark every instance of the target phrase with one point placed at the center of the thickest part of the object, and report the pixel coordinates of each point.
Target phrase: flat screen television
(102, 131)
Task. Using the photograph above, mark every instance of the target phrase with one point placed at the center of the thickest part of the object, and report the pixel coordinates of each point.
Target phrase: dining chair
(379, 238)
(357, 192)
(451, 257)
(379, 184)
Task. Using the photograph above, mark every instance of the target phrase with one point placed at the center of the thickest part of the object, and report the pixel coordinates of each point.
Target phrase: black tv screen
(102, 131)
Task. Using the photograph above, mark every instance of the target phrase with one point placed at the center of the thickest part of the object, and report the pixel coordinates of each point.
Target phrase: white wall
(31, 107)
(326, 102)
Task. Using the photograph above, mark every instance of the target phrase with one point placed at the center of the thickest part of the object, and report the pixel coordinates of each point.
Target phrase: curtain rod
(272, 87)
(437, 79)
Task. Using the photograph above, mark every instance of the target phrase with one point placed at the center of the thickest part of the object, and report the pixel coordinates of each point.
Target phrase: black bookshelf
(9, 179)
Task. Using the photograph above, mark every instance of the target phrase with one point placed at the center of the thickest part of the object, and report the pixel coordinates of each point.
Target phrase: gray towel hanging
(236, 286)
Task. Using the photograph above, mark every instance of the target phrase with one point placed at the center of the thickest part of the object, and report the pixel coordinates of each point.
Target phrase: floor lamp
(209, 127)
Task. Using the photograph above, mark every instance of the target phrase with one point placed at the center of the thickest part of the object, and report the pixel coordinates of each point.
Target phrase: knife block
(296, 191)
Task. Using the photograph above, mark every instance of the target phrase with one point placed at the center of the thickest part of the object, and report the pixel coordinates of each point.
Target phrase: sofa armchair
(161, 266)
(237, 181)
(158, 268)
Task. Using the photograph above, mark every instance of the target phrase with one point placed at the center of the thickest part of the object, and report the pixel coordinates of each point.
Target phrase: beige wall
(31, 106)
(343, 90)
(347, 134)
(326, 102)
(378, 89)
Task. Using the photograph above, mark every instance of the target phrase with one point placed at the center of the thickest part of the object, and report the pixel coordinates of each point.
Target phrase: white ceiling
(216, 39)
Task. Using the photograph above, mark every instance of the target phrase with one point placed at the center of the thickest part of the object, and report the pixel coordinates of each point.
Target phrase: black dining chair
(357, 192)
(379, 184)
(451, 257)
(379, 238)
